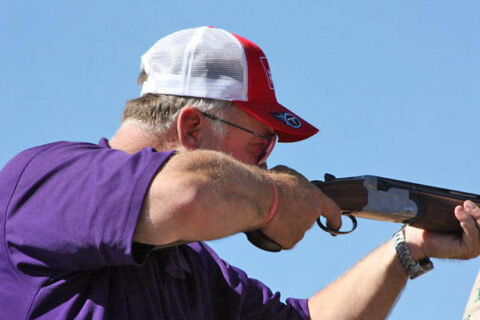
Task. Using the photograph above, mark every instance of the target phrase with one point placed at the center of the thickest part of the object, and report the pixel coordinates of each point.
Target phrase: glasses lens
(268, 150)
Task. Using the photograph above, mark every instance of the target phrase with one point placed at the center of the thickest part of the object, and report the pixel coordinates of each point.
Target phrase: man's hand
(448, 246)
(300, 204)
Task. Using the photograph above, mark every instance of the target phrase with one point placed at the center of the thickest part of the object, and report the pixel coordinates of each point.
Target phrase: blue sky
(392, 86)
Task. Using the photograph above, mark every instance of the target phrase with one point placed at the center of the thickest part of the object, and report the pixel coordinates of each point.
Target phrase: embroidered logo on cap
(288, 118)
(268, 74)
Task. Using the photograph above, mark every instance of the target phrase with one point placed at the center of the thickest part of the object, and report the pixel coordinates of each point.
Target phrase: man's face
(240, 144)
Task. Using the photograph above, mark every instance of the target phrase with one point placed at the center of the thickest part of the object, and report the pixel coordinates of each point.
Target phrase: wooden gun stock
(378, 198)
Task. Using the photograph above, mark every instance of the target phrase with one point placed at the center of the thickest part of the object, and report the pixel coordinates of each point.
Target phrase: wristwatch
(412, 268)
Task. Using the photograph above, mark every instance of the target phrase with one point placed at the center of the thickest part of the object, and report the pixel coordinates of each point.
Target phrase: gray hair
(156, 113)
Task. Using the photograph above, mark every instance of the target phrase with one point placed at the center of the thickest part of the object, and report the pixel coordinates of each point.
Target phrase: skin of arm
(193, 198)
(369, 290)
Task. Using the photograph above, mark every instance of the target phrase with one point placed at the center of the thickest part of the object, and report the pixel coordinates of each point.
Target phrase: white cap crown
(201, 62)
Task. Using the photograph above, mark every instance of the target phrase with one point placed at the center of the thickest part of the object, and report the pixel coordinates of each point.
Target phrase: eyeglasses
(262, 158)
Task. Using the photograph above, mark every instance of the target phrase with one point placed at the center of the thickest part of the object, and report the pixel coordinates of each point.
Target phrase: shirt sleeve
(260, 303)
(74, 206)
(245, 297)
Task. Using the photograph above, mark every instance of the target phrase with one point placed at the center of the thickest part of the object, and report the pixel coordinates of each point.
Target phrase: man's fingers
(450, 246)
(470, 232)
(472, 208)
(460, 213)
(331, 212)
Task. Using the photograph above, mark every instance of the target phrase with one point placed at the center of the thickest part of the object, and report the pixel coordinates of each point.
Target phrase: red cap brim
(287, 125)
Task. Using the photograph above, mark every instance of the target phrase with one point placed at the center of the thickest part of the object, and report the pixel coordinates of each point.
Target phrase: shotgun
(385, 199)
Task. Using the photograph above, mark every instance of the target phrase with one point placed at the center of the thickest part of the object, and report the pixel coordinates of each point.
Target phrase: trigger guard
(336, 232)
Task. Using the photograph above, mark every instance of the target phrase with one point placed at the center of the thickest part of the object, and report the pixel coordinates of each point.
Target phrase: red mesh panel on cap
(260, 83)
(262, 103)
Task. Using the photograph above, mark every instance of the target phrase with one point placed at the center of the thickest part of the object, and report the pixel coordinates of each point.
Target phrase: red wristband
(273, 208)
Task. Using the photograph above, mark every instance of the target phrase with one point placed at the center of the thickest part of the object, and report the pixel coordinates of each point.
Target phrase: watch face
(423, 266)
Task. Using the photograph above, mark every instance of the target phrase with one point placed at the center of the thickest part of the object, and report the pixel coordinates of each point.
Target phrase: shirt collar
(103, 142)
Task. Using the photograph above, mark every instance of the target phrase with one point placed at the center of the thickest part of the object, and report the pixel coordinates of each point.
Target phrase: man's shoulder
(53, 149)
(33, 151)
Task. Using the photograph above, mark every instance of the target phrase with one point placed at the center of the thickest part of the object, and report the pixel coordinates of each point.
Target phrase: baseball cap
(213, 63)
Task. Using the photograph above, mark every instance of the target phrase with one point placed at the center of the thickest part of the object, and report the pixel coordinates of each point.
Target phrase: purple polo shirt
(68, 214)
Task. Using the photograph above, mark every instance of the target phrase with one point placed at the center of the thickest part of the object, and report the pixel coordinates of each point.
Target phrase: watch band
(412, 268)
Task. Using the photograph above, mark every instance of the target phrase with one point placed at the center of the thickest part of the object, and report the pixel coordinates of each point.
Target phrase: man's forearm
(367, 291)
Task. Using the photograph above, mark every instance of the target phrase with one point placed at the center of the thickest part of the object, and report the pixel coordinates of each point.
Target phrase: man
(112, 230)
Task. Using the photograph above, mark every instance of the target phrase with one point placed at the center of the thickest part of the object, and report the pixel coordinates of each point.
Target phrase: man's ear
(190, 127)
